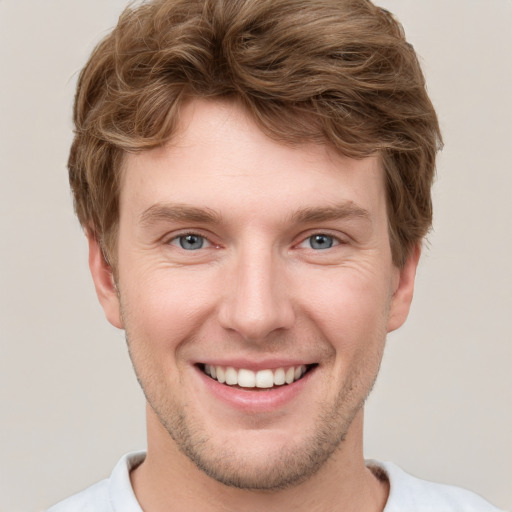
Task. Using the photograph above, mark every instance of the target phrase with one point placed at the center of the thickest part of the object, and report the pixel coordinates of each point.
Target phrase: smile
(267, 378)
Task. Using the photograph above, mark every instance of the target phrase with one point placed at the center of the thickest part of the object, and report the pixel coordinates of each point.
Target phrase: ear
(403, 290)
(104, 282)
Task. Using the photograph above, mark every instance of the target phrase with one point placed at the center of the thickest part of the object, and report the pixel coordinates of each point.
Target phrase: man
(253, 178)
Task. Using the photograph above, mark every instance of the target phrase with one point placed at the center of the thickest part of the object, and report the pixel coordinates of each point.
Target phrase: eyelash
(176, 241)
(335, 241)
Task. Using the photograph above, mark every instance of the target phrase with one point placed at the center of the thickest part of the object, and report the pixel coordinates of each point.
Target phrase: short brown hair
(326, 71)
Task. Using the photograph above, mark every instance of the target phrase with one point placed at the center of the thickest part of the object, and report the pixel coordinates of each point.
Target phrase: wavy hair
(325, 71)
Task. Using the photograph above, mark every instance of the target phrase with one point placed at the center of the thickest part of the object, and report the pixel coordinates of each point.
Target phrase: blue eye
(321, 241)
(191, 242)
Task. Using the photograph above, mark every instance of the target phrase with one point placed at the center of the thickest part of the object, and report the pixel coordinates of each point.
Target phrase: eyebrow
(337, 212)
(175, 212)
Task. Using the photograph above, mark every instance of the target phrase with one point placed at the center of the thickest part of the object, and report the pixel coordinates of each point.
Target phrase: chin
(260, 459)
(252, 468)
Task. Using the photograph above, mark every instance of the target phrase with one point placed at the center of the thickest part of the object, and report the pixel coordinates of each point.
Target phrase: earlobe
(403, 293)
(104, 283)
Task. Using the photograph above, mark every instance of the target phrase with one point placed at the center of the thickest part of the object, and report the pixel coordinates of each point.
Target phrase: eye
(320, 242)
(190, 242)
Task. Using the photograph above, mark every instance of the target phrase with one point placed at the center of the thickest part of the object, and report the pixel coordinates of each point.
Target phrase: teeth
(264, 379)
(221, 374)
(246, 378)
(290, 375)
(231, 376)
(260, 379)
(279, 377)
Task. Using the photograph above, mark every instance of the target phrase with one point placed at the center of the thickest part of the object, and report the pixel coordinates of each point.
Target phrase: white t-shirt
(407, 493)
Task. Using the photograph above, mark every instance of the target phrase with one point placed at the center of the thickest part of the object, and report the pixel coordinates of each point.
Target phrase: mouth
(264, 379)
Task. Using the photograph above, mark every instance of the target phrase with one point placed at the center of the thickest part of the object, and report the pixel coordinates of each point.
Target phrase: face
(256, 286)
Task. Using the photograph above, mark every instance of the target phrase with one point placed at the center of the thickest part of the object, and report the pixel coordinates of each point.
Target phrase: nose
(257, 301)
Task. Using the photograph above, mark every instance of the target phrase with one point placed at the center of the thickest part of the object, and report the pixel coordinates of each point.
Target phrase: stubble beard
(288, 468)
(291, 466)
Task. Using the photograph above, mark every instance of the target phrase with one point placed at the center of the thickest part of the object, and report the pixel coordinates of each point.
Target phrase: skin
(258, 293)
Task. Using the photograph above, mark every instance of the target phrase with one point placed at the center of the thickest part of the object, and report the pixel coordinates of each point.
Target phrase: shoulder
(410, 493)
(114, 494)
(94, 498)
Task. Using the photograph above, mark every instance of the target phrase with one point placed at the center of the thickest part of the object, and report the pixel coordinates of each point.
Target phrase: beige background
(69, 405)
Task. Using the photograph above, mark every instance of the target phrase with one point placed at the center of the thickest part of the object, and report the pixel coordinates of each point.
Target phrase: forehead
(220, 159)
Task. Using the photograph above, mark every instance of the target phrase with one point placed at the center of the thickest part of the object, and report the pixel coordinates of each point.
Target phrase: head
(254, 178)
(338, 73)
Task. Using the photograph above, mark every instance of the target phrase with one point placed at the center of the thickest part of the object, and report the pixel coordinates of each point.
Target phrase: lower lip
(264, 400)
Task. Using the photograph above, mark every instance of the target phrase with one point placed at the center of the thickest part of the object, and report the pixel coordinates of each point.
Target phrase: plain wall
(69, 404)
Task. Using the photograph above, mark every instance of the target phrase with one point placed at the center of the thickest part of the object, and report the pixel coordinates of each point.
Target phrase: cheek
(164, 306)
(349, 306)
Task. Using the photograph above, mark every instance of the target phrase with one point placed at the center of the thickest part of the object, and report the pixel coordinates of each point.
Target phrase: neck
(168, 480)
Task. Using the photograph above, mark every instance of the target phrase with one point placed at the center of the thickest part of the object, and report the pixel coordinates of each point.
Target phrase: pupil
(321, 242)
(191, 242)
